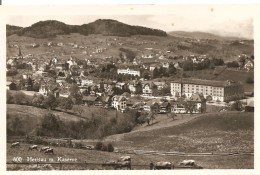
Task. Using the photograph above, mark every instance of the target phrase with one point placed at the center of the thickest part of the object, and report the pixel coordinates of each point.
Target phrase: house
(152, 106)
(55, 91)
(199, 102)
(130, 103)
(148, 88)
(92, 100)
(119, 102)
(147, 54)
(178, 107)
(160, 85)
(249, 65)
(165, 107)
(166, 65)
(129, 72)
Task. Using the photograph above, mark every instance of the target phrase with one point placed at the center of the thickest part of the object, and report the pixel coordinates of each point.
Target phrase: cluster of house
(163, 106)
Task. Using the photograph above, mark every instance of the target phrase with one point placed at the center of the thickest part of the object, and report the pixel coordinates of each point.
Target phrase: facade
(129, 72)
(151, 106)
(178, 107)
(218, 90)
(199, 102)
(147, 88)
(119, 102)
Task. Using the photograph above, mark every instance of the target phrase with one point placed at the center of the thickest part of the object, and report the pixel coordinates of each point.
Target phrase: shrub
(104, 147)
(110, 147)
(99, 146)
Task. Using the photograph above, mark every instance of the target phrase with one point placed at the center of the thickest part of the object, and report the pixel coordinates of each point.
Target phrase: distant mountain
(12, 29)
(51, 28)
(200, 35)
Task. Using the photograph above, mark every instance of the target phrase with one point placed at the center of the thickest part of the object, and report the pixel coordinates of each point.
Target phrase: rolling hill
(200, 35)
(10, 30)
(52, 28)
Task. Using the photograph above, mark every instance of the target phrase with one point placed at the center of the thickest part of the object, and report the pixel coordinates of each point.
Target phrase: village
(129, 80)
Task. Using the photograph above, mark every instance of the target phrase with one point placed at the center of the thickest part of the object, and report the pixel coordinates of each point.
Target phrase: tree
(50, 102)
(146, 75)
(187, 65)
(17, 126)
(75, 94)
(37, 100)
(237, 106)
(65, 103)
(9, 97)
(50, 125)
(155, 73)
(172, 70)
(110, 147)
(172, 115)
(190, 107)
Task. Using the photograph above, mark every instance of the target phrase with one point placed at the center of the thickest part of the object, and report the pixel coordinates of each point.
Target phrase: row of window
(197, 86)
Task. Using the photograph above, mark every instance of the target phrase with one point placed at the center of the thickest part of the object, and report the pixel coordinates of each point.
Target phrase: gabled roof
(119, 98)
(197, 98)
(165, 104)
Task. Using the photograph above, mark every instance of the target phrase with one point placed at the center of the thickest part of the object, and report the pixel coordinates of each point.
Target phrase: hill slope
(51, 28)
(199, 35)
(10, 30)
(223, 132)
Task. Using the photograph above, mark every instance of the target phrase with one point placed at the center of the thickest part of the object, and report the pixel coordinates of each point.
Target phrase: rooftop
(206, 82)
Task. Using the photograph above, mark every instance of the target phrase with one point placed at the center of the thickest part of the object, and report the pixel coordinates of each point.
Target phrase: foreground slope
(221, 132)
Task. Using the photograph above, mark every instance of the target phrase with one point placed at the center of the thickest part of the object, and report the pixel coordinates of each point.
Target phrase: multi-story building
(217, 90)
(128, 71)
(119, 102)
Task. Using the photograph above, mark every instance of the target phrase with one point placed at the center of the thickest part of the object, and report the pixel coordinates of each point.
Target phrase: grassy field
(92, 156)
(31, 116)
(218, 133)
(222, 132)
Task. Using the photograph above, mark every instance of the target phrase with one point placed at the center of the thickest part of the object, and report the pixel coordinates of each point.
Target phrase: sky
(225, 20)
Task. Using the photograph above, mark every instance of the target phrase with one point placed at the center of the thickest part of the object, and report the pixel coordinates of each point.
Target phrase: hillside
(10, 30)
(31, 116)
(52, 28)
(200, 35)
(222, 132)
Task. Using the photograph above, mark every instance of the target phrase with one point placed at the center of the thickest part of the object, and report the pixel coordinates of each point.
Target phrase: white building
(119, 102)
(128, 71)
(217, 90)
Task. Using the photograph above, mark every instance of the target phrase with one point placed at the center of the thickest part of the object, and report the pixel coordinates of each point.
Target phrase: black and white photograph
(130, 87)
